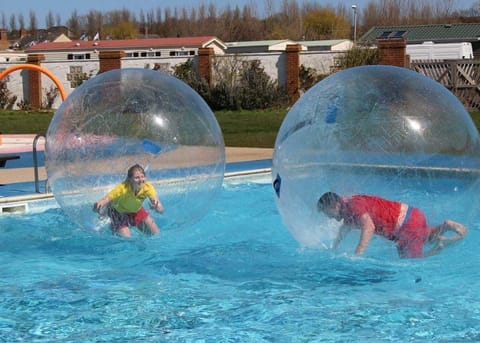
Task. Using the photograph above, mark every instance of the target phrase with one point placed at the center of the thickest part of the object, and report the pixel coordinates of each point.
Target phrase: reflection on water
(237, 275)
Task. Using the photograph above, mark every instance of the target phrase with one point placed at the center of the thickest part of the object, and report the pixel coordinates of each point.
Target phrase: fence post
(453, 75)
(393, 52)
(35, 81)
(110, 60)
(293, 66)
(205, 56)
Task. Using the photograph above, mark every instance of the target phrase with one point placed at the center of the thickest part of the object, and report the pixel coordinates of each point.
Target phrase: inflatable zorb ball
(135, 116)
(380, 130)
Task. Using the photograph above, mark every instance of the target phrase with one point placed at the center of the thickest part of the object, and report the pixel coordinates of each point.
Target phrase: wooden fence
(461, 77)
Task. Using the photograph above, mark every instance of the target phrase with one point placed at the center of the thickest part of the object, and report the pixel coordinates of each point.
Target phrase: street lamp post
(354, 8)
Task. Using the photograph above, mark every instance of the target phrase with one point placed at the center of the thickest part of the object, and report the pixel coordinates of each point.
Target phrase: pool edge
(9, 200)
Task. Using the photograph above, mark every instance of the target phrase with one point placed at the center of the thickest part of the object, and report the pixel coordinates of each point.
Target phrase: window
(76, 76)
(137, 54)
(385, 34)
(399, 34)
(78, 56)
(181, 53)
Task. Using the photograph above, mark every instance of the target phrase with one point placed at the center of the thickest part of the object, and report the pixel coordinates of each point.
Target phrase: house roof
(266, 42)
(258, 43)
(327, 42)
(456, 32)
(83, 45)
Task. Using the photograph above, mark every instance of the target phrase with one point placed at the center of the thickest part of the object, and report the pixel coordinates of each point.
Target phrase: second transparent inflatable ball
(379, 130)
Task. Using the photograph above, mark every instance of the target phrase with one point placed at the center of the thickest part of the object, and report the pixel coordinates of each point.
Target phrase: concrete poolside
(15, 144)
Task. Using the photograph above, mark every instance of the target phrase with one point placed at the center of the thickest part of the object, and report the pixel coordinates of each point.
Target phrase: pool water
(236, 276)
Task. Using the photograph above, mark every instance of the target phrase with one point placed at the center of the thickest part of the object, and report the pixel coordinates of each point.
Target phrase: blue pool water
(236, 276)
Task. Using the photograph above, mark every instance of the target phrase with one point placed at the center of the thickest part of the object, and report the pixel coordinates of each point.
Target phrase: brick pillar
(293, 66)
(110, 60)
(393, 51)
(35, 81)
(205, 57)
(4, 43)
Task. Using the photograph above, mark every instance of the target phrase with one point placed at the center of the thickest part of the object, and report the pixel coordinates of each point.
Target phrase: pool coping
(9, 201)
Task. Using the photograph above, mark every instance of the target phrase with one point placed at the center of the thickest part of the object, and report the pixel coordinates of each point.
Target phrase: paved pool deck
(23, 143)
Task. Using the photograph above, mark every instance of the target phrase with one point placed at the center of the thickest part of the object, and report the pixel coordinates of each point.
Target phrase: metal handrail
(35, 163)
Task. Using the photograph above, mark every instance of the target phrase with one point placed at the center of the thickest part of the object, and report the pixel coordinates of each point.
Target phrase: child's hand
(100, 204)
(157, 205)
(96, 207)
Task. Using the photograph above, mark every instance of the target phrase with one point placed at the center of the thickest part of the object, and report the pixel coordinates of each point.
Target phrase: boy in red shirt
(395, 221)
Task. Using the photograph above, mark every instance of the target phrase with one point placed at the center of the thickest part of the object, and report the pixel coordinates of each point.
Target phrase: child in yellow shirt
(124, 204)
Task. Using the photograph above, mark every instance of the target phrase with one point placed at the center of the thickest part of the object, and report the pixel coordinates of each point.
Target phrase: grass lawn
(250, 128)
(240, 128)
(476, 119)
(256, 129)
(24, 121)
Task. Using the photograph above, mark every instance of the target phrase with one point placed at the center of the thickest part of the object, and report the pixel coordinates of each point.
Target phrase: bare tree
(184, 24)
(212, 20)
(290, 20)
(474, 10)
(94, 23)
(13, 23)
(159, 22)
(324, 23)
(281, 19)
(444, 8)
(402, 12)
(21, 21)
(142, 24)
(73, 24)
(168, 23)
(269, 8)
(33, 22)
(250, 25)
(49, 21)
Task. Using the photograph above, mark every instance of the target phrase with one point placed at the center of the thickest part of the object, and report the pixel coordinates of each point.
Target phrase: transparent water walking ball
(135, 116)
(379, 130)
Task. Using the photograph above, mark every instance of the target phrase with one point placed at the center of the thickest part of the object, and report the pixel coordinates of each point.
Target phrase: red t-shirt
(384, 213)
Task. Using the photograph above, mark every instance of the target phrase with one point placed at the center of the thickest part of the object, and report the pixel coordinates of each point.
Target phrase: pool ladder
(35, 164)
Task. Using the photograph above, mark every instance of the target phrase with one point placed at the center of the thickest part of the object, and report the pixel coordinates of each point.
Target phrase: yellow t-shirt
(124, 199)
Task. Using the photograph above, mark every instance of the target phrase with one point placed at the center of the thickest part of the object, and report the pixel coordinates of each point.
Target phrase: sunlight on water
(237, 275)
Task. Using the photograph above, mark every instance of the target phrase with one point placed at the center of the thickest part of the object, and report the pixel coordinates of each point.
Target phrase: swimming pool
(236, 276)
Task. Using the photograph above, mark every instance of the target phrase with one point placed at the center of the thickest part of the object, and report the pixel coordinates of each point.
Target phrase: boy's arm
(342, 232)
(367, 228)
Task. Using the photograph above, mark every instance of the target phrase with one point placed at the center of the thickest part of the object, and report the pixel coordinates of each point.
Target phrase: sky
(65, 7)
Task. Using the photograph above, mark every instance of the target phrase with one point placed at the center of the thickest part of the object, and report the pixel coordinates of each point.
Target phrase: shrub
(7, 100)
(309, 78)
(236, 85)
(257, 90)
(357, 56)
(187, 73)
(24, 105)
(51, 95)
